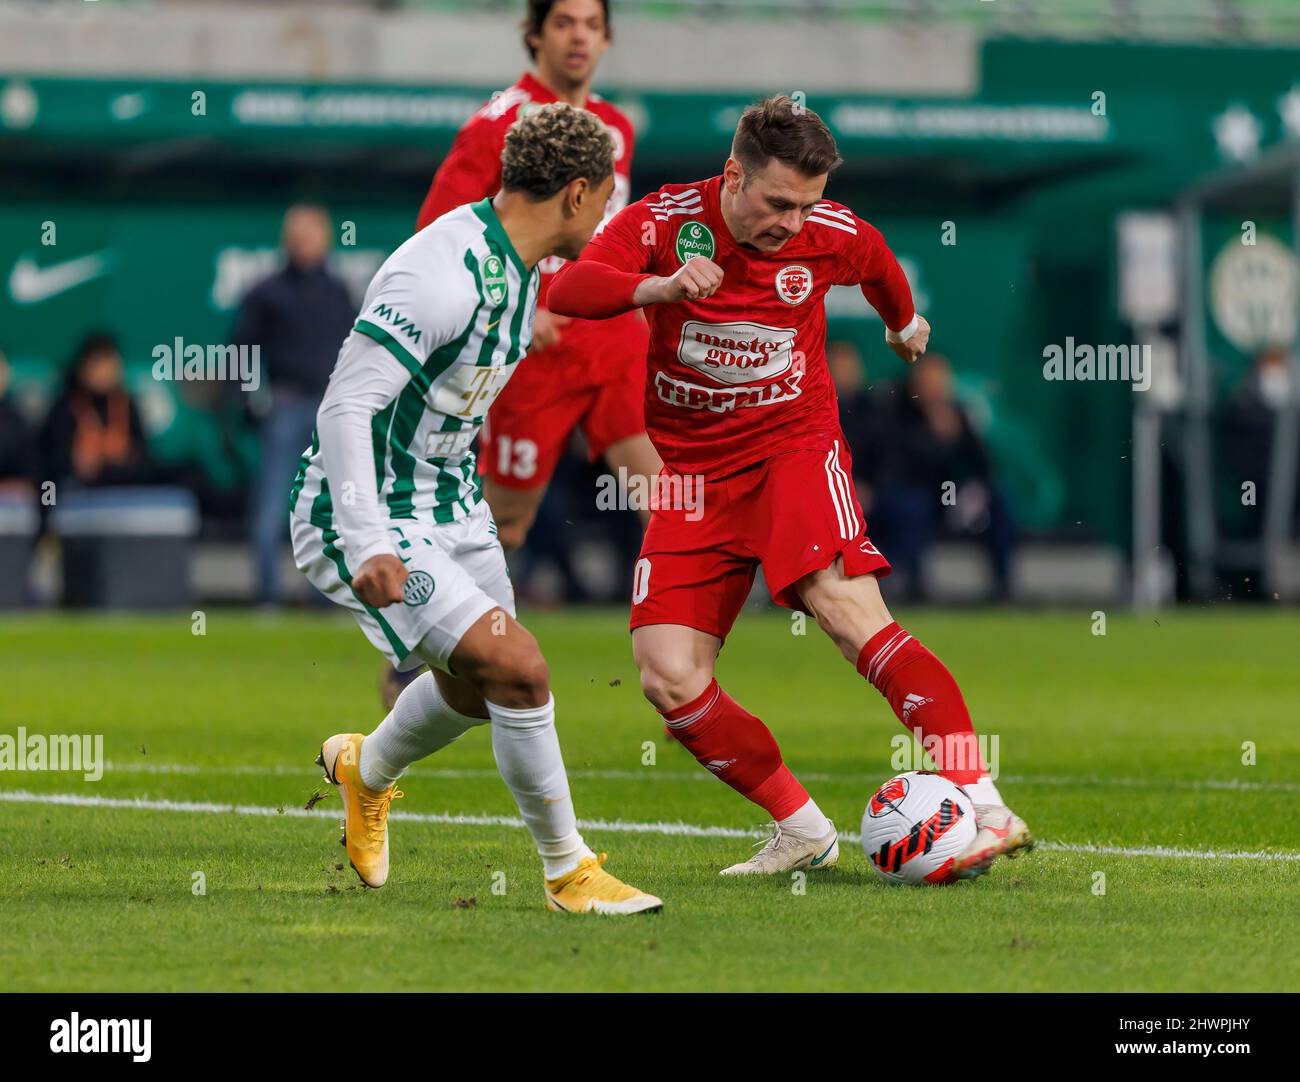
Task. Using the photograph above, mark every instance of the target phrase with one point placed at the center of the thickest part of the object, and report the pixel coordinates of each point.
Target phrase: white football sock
(984, 792)
(419, 724)
(527, 751)
(808, 822)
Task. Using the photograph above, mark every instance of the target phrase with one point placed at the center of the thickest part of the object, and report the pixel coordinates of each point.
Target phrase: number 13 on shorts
(516, 458)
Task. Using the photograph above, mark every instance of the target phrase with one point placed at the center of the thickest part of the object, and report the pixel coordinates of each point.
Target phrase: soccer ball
(914, 825)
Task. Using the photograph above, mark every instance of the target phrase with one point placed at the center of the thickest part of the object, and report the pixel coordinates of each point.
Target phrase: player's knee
(669, 683)
(849, 614)
(512, 533)
(518, 677)
(837, 608)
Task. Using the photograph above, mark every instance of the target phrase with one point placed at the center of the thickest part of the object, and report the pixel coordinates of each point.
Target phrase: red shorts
(793, 514)
(593, 382)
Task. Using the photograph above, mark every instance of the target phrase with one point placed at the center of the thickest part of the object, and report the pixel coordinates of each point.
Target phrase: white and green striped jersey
(454, 306)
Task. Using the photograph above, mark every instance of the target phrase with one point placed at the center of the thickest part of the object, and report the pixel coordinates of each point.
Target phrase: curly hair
(552, 146)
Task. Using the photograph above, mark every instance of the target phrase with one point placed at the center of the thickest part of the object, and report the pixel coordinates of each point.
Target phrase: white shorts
(456, 573)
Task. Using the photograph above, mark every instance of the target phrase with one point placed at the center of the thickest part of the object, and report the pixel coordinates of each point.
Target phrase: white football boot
(1001, 833)
(784, 852)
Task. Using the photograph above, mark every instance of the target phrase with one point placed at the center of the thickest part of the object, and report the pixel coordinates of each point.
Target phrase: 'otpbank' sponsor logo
(112, 1035)
(695, 238)
(736, 352)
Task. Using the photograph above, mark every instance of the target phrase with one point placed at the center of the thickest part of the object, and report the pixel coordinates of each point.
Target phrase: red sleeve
(614, 262)
(589, 289)
(470, 172)
(880, 278)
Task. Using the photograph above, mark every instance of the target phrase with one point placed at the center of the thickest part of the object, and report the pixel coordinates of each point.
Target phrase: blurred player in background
(580, 373)
(396, 530)
(733, 277)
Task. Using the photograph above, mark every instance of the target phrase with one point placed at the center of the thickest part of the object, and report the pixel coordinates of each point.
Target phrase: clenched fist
(379, 581)
(696, 279)
(548, 328)
(914, 345)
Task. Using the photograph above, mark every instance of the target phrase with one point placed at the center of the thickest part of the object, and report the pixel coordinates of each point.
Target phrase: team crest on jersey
(694, 238)
(417, 589)
(794, 283)
(494, 279)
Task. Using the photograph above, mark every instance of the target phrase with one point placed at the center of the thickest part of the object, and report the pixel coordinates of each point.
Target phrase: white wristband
(905, 333)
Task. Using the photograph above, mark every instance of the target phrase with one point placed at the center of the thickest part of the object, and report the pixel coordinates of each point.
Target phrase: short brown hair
(536, 15)
(553, 145)
(794, 135)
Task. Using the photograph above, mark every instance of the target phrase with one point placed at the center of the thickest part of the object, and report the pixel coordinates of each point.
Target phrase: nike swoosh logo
(493, 324)
(31, 284)
(819, 859)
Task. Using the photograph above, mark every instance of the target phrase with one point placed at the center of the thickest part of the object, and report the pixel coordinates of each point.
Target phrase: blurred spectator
(865, 417)
(17, 443)
(938, 479)
(298, 317)
(93, 435)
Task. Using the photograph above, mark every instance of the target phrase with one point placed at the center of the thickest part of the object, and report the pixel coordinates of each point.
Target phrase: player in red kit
(578, 373)
(732, 272)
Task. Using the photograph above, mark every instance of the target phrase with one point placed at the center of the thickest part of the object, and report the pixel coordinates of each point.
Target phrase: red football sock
(926, 699)
(733, 744)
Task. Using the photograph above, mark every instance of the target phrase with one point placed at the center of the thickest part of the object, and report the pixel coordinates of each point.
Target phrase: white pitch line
(1198, 785)
(618, 826)
(655, 774)
(21, 796)
(1165, 851)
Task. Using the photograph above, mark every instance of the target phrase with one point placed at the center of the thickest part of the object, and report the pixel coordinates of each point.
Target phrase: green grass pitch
(1130, 742)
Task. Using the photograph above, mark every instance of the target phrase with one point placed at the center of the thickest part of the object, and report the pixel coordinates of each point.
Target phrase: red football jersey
(472, 169)
(742, 375)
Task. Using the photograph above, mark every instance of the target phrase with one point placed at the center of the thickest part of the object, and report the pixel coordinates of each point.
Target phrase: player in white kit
(388, 517)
